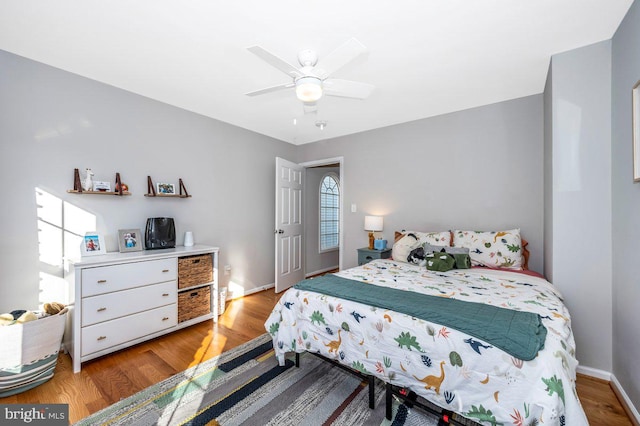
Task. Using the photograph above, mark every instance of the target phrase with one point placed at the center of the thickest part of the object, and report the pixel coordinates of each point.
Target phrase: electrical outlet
(227, 269)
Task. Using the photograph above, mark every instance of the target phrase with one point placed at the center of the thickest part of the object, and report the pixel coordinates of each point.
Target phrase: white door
(289, 226)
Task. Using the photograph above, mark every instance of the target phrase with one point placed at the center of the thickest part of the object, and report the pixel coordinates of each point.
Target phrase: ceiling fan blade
(339, 58)
(276, 62)
(271, 89)
(347, 88)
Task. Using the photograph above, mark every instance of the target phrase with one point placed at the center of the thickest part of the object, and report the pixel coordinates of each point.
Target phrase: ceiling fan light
(308, 89)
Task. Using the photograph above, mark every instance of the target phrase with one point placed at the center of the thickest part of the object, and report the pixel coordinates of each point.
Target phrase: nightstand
(365, 255)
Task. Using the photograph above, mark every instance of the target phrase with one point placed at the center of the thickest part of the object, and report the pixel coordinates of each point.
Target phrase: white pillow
(499, 249)
(414, 239)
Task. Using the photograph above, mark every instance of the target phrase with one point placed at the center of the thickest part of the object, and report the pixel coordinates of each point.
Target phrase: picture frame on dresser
(92, 244)
(129, 240)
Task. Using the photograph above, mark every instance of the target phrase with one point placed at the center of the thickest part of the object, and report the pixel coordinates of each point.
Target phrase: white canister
(222, 300)
(188, 239)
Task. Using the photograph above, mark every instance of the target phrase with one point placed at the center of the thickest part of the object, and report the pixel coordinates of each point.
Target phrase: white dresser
(117, 300)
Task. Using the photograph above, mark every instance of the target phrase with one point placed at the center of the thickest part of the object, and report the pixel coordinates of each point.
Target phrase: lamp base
(371, 240)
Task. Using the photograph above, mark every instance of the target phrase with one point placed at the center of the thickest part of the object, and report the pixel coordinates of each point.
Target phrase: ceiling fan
(313, 79)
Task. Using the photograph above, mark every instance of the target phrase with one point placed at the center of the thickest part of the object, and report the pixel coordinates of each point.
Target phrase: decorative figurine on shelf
(124, 187)
(87, 184)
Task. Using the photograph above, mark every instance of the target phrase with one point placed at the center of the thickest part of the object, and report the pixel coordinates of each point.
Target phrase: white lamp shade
(373, 223)
(308, 89)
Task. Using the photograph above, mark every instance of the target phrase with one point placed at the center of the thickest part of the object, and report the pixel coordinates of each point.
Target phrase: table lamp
(372, 224)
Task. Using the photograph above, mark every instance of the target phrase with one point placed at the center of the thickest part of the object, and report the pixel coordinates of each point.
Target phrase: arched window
(329, 212)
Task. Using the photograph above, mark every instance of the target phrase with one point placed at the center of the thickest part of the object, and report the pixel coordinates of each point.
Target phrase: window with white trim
(329, 212)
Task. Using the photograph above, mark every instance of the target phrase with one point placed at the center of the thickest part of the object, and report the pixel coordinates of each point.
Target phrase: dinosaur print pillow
(499, 249)
(414, 239)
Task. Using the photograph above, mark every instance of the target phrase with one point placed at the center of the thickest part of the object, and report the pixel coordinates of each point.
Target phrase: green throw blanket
(520, 334)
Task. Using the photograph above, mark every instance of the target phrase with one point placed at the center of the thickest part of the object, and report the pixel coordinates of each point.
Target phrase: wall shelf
(167, 195)
(73, 191)
(151, 190)
(77, 187)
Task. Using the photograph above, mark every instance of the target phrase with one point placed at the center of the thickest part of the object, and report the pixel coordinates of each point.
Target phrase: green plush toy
(439, 261)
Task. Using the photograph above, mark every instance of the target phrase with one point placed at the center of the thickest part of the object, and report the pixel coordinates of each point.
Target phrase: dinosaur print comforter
(449, 368)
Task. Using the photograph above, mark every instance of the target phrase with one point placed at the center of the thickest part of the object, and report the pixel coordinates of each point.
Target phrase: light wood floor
(106, 380)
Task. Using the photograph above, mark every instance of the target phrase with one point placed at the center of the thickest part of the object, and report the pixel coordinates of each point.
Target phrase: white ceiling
(425, 57)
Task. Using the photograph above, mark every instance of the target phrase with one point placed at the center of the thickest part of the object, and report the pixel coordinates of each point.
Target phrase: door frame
(324, 162)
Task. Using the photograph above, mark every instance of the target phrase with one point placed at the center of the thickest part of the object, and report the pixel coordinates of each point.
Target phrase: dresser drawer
(108, 306)
(106, 279)
(111, 333)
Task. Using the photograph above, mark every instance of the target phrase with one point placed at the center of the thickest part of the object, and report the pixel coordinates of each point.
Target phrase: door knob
(278, 231)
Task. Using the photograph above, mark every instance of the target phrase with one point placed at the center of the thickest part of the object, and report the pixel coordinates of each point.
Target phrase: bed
(479, 379)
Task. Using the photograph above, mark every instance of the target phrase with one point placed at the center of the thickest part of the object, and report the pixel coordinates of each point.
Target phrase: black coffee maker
(160, 233)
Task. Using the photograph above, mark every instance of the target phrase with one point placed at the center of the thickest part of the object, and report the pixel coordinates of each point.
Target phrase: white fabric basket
(29, 353)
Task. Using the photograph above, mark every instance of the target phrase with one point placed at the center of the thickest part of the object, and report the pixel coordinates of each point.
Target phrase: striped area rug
(246, 386)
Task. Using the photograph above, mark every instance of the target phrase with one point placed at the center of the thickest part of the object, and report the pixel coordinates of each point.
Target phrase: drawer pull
(195, 293)
(165, 270)
(102, 281)
(165, 294)
(102, 337)
(102, 309)
(165, 318)
(196, 260)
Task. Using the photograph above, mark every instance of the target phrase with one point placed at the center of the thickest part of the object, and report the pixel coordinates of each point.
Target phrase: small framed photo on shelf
(129, 240)
(92, 244)
(165, 188)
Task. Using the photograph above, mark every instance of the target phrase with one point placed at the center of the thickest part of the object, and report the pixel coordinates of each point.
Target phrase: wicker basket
(195, 270)
(29, 353)
(194, 303)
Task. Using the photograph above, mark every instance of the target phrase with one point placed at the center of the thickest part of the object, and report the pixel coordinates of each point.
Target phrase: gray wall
(580, 185)
(474, 169)
(52, 121)
(625, 208)
(314, 260)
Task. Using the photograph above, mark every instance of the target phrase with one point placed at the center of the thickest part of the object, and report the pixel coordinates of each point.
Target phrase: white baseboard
(594, 372)
(625, 400)
(321, 271)
(239, 294)
(617, 389)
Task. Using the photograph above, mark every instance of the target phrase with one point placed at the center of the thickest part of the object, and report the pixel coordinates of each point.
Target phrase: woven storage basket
(194, 270)
(194, 303)
(29, 353)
